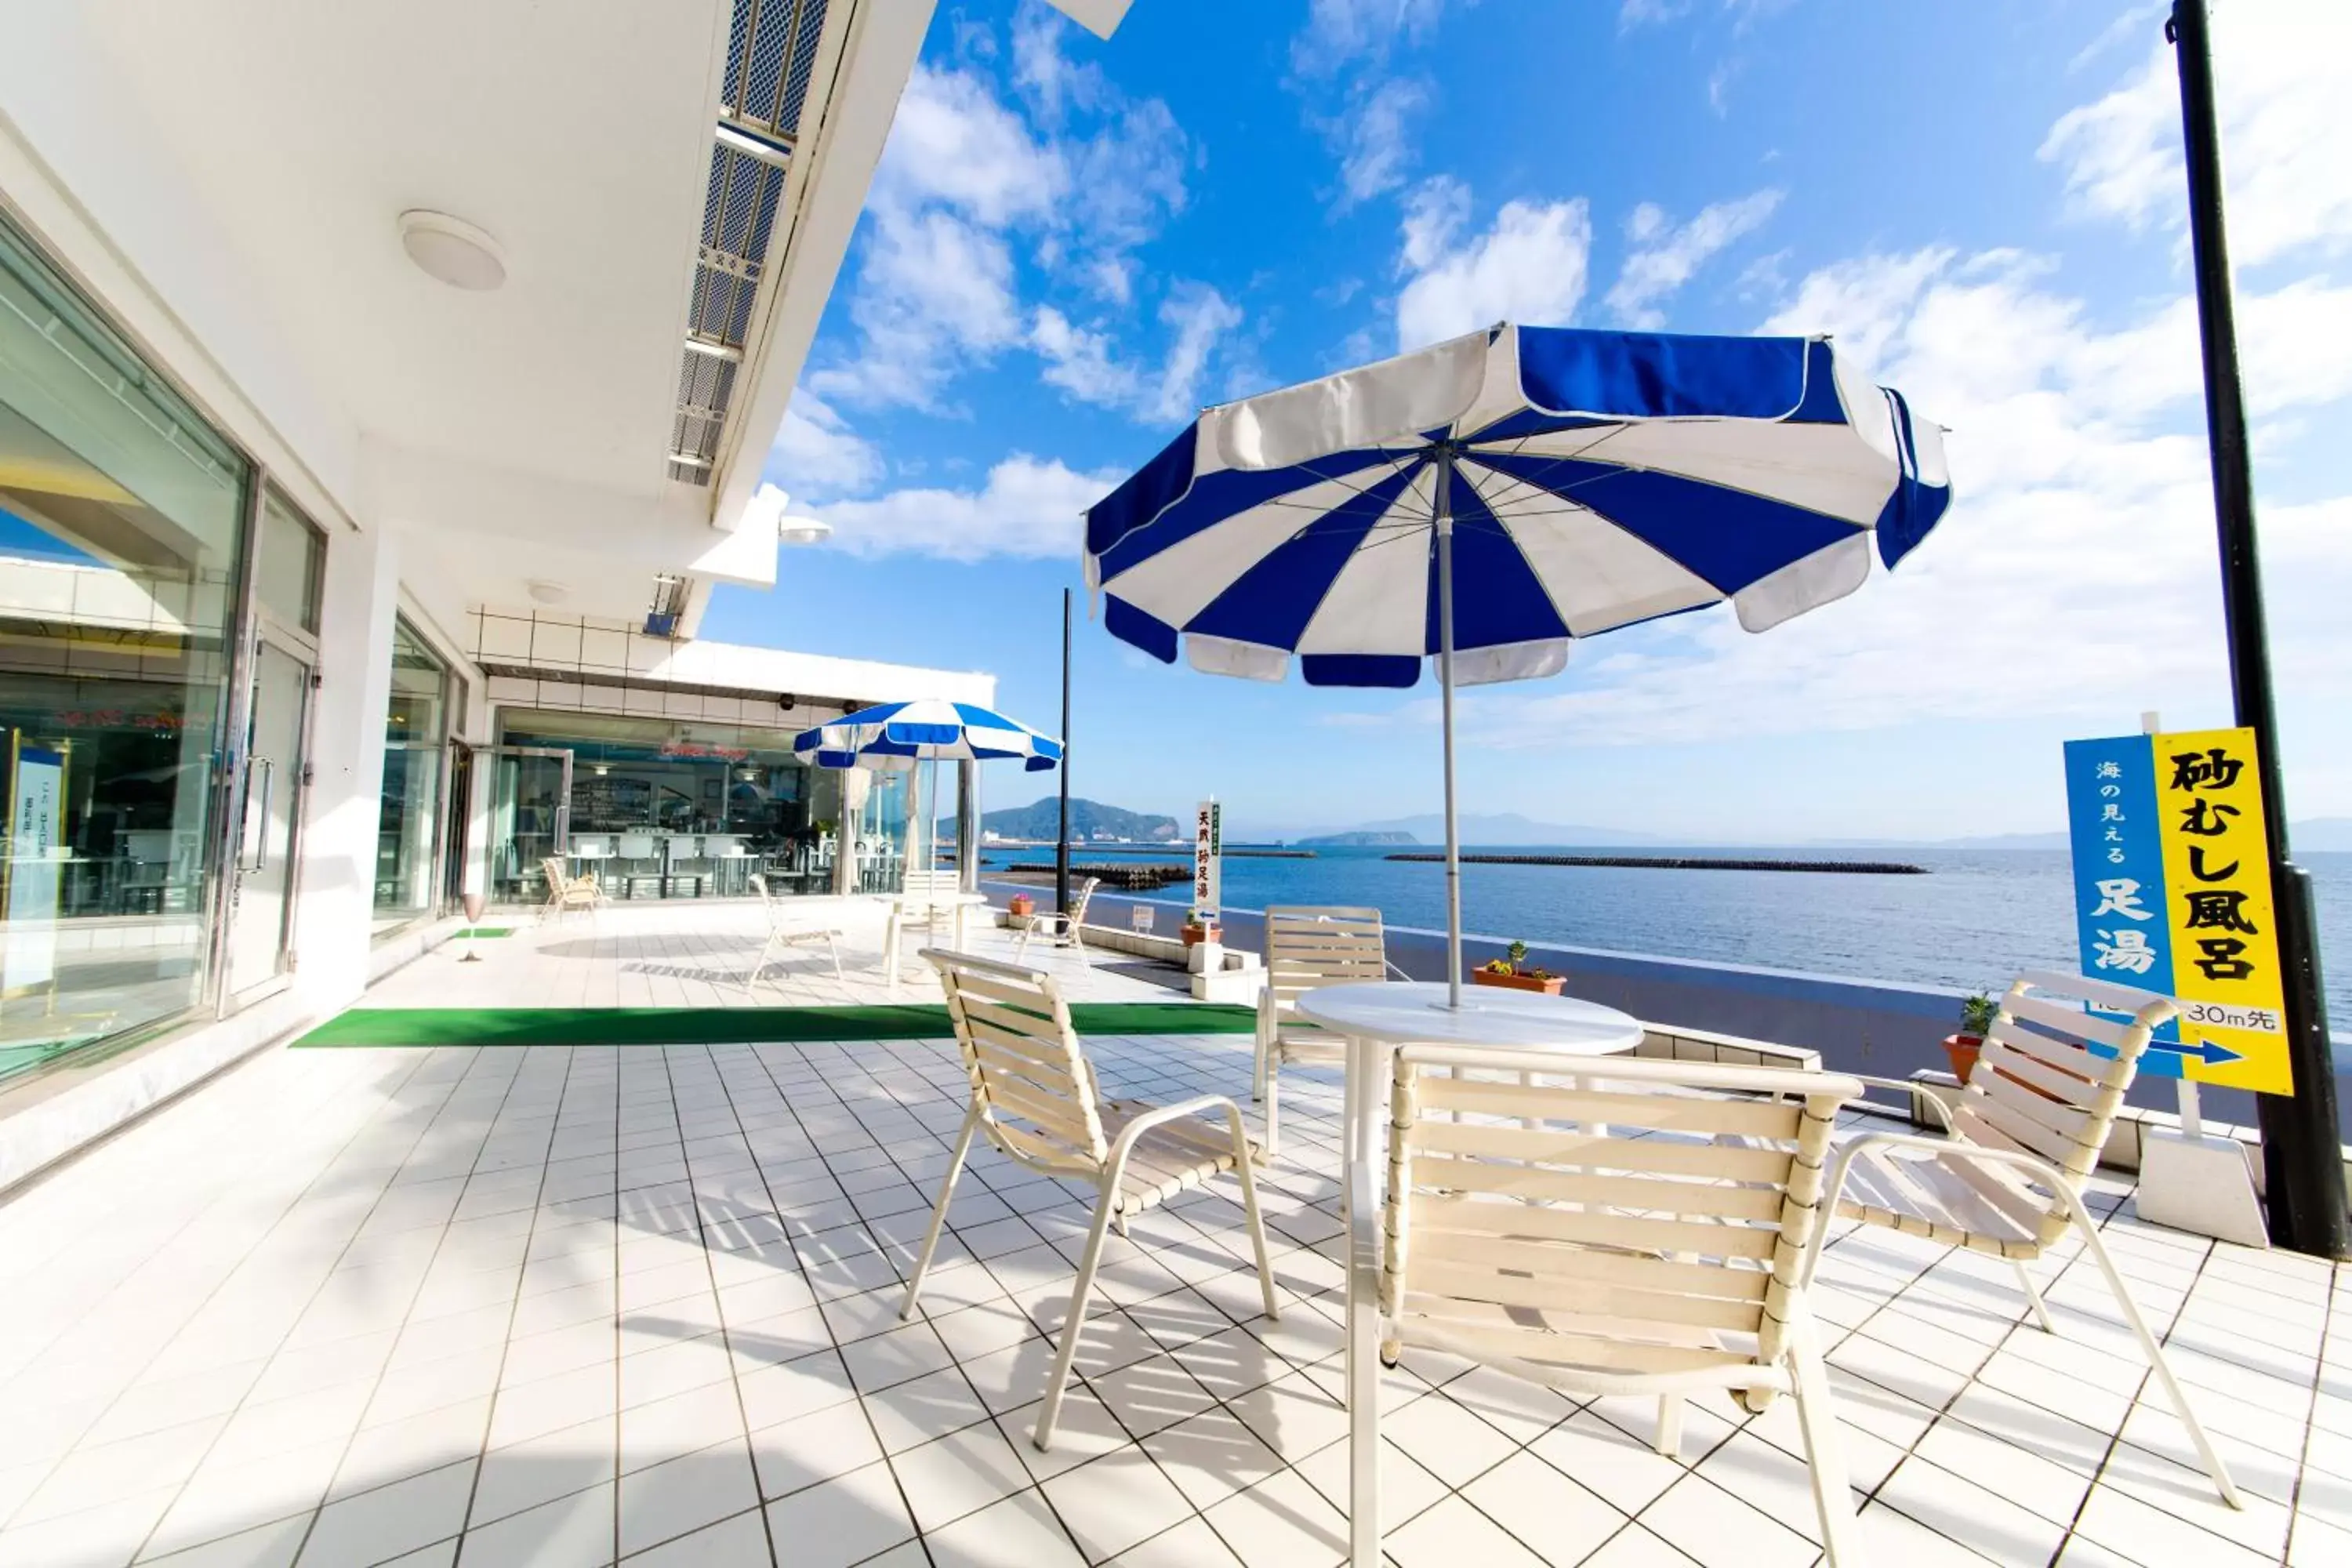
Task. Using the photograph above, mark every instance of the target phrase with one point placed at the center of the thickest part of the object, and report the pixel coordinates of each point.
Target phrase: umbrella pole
(1442, 517)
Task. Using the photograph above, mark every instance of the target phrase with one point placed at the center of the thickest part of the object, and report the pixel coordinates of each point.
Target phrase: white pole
(2192, 1113)
(1443, 519)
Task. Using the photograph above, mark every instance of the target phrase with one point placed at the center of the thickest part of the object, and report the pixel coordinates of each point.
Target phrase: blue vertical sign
(2120, 919)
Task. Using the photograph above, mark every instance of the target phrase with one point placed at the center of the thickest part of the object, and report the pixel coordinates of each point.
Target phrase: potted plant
(1021, 906)
(1199, 928)
(1512, 974)
(1977, 1014)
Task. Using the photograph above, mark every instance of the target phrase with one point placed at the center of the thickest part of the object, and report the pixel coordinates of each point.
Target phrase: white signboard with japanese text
(35, 859)
(1208, 862)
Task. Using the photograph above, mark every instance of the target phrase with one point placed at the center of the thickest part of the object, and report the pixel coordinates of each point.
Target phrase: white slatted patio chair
(1035, 1095)
(2021, 1139)
(1067, 927)
(1308, 947)
(927, 898)
(566, 892)
(1651, 1239)
(786, 930)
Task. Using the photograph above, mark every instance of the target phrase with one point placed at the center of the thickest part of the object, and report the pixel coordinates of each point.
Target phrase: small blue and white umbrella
(892, 737)
(1572, 482)
(897, 735)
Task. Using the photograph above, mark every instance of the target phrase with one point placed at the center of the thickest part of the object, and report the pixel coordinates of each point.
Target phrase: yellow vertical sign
(2216, 885)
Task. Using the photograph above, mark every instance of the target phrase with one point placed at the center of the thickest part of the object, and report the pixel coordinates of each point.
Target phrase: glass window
(286, 565)
(663, 808)
(415, 738)
(120, 512)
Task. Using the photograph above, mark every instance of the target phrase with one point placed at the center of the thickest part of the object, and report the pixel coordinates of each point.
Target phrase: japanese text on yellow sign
(2217, 888)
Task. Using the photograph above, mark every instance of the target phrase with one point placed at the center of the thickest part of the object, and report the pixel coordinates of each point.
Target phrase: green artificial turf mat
(723, 1025)
(484, 933)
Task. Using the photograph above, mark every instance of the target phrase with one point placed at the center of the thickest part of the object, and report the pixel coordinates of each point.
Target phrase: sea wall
(1874, 1027)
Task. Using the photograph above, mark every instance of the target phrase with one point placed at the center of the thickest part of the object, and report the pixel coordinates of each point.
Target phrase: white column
(360, 595)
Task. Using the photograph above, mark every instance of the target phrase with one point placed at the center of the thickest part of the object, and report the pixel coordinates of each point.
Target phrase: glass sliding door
(417, 730)
(262, 912)
(123, 523)
(273, 774)
(531, 819)
(460, 817)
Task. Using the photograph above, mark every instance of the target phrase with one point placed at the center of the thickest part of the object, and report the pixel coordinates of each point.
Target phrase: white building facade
(383, 390)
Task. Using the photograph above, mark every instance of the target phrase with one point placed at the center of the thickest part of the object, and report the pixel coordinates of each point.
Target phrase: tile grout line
(725, 1330)
(2311, 1414)
(327, 1500)
(506, 1341)
(832, 1334)
(181, 1491)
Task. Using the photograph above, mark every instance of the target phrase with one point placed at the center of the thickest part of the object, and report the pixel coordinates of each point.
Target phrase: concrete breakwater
(1134, 879)
(1685, 863)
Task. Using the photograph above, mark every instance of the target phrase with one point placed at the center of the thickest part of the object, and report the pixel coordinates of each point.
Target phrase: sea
(1974, 921)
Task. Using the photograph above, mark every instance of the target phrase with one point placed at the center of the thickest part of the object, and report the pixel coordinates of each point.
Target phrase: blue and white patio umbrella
(1570, 483)
(897, 735)
(892, 737)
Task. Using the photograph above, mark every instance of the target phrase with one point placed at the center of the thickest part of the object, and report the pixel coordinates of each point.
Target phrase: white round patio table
(1375, 1015)
(1414, 1012)
(904, 910)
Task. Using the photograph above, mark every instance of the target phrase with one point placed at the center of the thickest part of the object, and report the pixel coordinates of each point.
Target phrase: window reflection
(120, 522)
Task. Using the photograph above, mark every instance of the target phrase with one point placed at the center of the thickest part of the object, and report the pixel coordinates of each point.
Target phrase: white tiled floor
(694, 953)
(574, 1306)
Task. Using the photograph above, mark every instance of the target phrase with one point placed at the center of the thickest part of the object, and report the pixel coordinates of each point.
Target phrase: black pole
(2303, 1165)
(1062, 839)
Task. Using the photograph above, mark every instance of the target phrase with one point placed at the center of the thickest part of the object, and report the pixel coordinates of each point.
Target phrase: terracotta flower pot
(1195, 933)
(1021, 906)
(1962, 1050)
(1548, 985)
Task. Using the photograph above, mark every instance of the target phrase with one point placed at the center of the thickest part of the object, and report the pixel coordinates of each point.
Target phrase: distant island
(1040, 822)
(1361, 837)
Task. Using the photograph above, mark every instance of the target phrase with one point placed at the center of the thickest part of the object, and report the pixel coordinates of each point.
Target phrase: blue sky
(1072, 245)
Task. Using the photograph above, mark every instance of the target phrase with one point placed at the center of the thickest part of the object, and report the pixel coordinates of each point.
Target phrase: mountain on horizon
(1041, 820)
(2324, 834)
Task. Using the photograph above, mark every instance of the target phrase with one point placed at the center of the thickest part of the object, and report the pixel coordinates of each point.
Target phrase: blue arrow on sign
(2164, 1056)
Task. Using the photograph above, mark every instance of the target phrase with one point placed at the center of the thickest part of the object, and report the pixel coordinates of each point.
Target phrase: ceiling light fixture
(452, 250)
(759, 148)
(802, 529)
(546, 593)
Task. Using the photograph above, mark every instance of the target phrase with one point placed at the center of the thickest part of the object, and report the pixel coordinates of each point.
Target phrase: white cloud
(1338, 31)
(1085, 362)
(1081, 362)
(1862, 302)
(953, 142)
(1528, 267)
(935, 293)
(1665, 257)
(1434, 215)
(2076, 576)
(965, 177)
(1052, 82)
(816, 454)
(1028, 507)
(1635, 13)
(2282, 71)
(1374, 138)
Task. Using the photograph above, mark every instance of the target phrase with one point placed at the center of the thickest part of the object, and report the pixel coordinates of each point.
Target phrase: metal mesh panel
(796, 80)
(739, 36)
(771, 55)
(771, 41)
